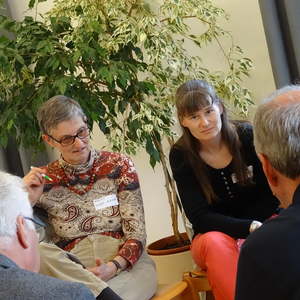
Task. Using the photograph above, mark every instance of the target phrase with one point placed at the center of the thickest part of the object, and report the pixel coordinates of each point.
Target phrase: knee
(211, 240)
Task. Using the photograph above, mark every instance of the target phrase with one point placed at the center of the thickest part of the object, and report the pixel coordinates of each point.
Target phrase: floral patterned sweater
(101, 197)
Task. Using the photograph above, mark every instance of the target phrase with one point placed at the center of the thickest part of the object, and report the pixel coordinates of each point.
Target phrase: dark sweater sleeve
(198, 211)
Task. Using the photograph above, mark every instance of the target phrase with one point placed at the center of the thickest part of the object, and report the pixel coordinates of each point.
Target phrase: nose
(79, 142)
(203, 121)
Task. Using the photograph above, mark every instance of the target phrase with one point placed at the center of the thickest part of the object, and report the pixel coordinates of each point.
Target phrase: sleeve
(132, 212)
(202, 215)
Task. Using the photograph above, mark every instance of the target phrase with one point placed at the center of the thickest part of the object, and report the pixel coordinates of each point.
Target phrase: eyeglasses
(40, 227)
(36, 221)
(70, 139)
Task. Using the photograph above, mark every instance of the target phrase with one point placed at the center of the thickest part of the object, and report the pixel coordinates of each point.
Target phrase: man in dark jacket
(269, 263)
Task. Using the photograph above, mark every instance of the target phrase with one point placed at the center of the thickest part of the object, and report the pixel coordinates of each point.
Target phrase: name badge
(106, 201)
(249, 174)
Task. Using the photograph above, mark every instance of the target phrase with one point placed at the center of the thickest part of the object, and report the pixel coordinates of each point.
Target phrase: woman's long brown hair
(191, 97)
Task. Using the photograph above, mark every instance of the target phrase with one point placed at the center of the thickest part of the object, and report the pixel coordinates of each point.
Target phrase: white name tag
(249, 174)
(106, 201)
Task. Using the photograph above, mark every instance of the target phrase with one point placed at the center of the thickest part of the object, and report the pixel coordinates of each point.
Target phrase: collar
(78, 169)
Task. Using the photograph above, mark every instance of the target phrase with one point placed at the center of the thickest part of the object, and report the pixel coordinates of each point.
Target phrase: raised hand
(34, 182)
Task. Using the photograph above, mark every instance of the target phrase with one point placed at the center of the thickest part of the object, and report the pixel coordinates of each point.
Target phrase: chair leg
(209, 296)
(197, 282)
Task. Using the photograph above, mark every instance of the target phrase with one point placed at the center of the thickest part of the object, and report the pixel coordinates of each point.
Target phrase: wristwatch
(118, 266)
(254, 225)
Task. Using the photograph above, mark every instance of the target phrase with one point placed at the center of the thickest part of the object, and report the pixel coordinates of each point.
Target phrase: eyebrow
(203, 108)
(69, 135)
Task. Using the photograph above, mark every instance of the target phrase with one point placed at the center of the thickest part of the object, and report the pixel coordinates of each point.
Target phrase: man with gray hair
(19, 257)
(269, 263)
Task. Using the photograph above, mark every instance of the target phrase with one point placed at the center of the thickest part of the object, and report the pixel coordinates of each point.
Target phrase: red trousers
(217, 253)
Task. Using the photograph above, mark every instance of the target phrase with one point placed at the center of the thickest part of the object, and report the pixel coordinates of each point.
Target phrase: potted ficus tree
(123, 61)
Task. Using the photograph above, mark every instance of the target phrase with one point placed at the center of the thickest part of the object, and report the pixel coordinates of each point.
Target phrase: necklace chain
(83, 190)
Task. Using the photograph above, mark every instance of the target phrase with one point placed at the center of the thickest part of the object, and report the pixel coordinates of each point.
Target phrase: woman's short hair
(56, 110)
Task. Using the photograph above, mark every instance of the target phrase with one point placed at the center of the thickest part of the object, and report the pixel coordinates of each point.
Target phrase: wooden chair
(189, 288)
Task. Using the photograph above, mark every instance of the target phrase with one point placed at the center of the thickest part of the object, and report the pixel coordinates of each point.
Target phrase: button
(222, 172)
(227, 187)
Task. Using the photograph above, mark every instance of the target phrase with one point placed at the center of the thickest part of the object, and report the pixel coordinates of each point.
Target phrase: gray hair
(56, 110)
(13, 203)
(277, 131)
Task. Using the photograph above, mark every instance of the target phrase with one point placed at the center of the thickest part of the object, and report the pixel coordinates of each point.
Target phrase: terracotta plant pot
(168, 245)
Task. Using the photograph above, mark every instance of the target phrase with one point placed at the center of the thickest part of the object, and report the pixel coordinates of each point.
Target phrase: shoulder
(116, 166)
(176, 153)
(179, 163)
(52, 166)
(62, 288)
(245, 132)
(244, 128)
(42, 286)
(177, 157)
(112, 156)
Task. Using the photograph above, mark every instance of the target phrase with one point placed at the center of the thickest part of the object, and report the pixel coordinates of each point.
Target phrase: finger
(34, 177)
(98, 262)
(40, 173)
(36, 169)
(35, 180)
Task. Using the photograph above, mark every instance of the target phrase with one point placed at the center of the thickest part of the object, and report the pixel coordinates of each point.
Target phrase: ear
(182, 122)
(22, 232)
(46, 138)
(270, 172)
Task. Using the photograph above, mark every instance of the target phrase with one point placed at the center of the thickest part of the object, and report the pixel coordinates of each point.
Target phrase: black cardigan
(236, 205)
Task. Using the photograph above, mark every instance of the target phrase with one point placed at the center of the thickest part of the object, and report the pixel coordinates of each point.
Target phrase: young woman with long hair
(223, 190)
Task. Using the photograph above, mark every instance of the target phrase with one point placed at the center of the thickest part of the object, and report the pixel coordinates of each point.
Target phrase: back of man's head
(13, 203)
(277, 130)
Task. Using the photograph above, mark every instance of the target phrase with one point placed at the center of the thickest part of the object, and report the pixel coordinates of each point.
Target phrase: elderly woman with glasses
(94, 204)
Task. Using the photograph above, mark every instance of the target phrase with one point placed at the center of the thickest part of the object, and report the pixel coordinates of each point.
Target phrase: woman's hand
(34, 183)
(104, 271)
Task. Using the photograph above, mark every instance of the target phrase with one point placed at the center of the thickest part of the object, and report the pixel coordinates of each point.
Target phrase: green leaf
(3, 140)
(20, 59)
(31, 3)
(62, 85)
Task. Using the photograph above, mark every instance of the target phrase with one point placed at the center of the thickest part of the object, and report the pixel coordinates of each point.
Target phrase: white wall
(246, 27)
(19, 8)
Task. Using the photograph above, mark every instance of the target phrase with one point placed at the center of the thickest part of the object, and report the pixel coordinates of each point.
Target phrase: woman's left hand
(104, 271)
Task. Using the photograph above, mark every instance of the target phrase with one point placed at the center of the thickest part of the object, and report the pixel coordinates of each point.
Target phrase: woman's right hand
(34, 183)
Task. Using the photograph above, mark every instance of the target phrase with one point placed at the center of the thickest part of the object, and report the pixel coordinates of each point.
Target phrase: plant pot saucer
(169, 245)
